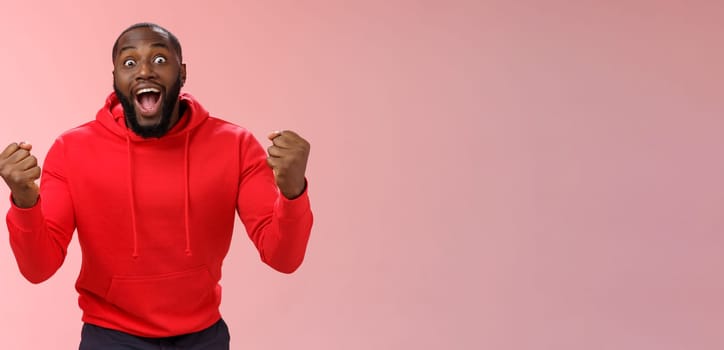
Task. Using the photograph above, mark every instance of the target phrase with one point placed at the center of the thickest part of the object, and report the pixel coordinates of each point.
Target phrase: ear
(183, 74)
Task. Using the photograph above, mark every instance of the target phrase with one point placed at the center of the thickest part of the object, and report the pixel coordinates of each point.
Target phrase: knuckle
(304, 147)
(6, 171)
(16, 177)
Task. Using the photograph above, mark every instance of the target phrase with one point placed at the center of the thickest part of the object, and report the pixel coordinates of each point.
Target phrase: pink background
(484, 174)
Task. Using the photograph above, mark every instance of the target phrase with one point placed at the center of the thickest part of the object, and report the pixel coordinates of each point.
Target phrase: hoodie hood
(111, 116)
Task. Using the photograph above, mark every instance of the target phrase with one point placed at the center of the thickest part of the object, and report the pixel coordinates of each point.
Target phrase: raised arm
(273, 203)
(40, 219)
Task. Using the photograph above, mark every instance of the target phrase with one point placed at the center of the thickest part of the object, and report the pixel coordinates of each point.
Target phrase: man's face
(147, 79)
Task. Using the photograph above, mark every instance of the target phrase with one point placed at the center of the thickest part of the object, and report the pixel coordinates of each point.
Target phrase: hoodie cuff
(25, 218)
(291, 209)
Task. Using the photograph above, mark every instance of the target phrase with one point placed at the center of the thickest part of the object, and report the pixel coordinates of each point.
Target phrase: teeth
(145, 90)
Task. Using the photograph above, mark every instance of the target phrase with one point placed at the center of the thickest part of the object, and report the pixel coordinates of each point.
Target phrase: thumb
(24, 145)
(33, 186)
(274, 134)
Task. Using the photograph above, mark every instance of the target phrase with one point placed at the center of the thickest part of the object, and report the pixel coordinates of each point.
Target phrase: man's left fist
(288, 159)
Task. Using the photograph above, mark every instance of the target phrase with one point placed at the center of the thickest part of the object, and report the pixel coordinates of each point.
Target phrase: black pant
(93, 337)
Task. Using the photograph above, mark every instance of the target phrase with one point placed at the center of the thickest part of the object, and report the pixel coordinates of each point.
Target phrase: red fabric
(154, 218)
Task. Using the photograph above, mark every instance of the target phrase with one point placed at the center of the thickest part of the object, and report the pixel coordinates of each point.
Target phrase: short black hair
(174, 40)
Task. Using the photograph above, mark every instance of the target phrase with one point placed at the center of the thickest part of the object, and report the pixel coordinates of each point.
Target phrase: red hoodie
(155, 218)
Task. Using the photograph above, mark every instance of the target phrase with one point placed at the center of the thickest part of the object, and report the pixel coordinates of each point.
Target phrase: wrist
(25, 200)
(298, 192)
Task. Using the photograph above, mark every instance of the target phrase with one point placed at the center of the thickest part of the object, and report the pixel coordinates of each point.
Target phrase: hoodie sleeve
(279, 227)
(39, 236)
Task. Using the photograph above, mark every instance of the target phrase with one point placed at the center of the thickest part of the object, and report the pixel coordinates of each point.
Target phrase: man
(152, 186)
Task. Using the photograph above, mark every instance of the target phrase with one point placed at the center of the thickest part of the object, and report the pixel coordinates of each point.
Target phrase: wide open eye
(129, 63)
(159, 60)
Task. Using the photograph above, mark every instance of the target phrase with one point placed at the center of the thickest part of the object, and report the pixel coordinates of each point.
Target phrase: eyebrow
(156, 44)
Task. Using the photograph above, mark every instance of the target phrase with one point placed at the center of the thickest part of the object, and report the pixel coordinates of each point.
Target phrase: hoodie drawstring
(111, 117)
(133, 199)
(186, 195)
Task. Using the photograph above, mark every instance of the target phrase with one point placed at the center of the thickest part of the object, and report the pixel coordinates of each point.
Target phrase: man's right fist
(20, 169)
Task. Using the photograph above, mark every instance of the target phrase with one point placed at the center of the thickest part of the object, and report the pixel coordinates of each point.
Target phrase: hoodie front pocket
(160, 297)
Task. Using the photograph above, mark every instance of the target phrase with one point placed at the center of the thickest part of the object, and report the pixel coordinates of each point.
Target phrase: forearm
(281, 236)
(284, 243)
(38, 246)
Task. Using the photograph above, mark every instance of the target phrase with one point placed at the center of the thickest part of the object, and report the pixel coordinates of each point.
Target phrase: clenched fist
(20, 169)
(288, 159)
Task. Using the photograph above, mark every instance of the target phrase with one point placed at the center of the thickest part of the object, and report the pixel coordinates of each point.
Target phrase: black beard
(164, 125)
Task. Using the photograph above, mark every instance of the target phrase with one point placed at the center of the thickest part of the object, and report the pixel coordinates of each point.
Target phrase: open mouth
(148, 101)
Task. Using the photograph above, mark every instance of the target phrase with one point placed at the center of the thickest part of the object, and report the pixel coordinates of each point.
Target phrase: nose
(145, 70)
